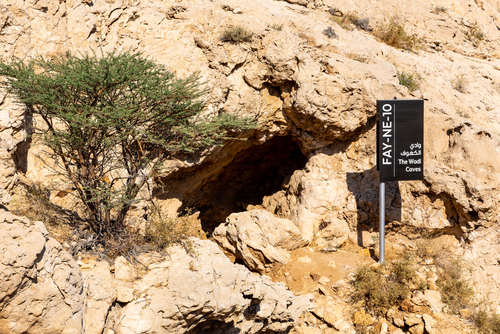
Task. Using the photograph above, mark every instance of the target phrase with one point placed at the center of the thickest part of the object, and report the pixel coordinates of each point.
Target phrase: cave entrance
(255, 173)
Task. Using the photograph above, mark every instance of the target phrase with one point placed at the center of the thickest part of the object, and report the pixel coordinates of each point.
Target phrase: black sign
(400, 140)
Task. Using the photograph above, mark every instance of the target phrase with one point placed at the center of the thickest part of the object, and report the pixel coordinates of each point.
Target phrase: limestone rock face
(205, 291)
(4, 196)
(41, 289)
(13, 144)
(305, 89)
(100, 294)
(258, 237)
(482, 256)
(299, 83)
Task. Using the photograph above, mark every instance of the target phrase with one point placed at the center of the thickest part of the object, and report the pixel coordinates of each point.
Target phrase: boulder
(329, 310)
(258, 238)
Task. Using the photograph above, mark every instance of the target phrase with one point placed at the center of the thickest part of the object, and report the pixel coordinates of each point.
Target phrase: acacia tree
(110, 121)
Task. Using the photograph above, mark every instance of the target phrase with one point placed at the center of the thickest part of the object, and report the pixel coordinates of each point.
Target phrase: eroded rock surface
(299, 83)
(203, 291)
(41, 288)
(259, 238)
(316, 91)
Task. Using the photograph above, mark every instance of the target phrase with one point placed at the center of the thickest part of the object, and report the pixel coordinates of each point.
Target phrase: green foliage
(409, 80)
(110, 121)
(163, 231)
(394, 34)
(236, 35)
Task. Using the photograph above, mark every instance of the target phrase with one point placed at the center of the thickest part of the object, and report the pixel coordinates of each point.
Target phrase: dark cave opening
(255, 173)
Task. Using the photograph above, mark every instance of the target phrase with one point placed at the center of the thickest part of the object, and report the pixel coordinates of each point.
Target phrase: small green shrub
(409, 80)
(403, 270)
(164, 231)
(395, 34)
(236, 35)
(474, 34)
(275, 26)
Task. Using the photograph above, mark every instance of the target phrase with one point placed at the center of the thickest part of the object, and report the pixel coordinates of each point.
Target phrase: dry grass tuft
(33, 202)
(439, 9)
(460, 83)
(309, 39)
(350, 20)
(487, 322)
(236, 35)
(474, 34)
(358, 57)
(384, 286)
(329, 32)
(456, 289)
(275, 26)
(394, 34)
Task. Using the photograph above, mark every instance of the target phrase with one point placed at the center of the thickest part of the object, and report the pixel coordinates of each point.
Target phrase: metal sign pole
(382, 223)
(400, 149)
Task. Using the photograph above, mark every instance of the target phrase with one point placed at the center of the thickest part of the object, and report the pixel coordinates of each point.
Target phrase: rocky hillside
(310, 74)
